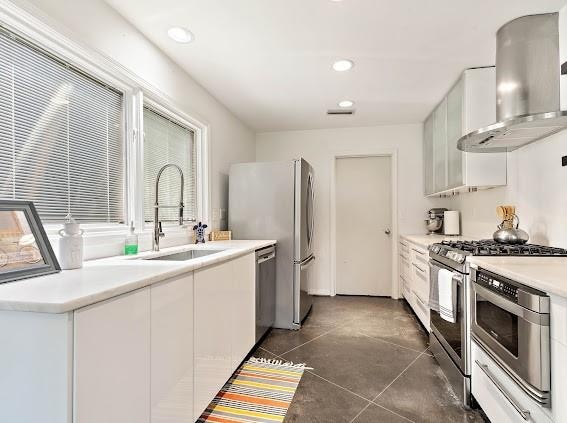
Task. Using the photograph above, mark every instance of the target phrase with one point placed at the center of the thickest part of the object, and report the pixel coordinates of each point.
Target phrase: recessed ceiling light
(180, 35)
(346, 103)
(343, 65)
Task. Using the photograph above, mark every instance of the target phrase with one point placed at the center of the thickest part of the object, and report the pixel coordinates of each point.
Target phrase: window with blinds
(166, 141)
(61, 140)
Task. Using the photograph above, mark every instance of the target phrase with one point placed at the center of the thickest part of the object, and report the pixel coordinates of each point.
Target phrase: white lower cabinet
(243, 316)
(224, 324)
(172, 351)
(414, 279)
(499, 396)
(112, 360)
(422, 310)
(36, 355)
(213, 355)
(158, 354)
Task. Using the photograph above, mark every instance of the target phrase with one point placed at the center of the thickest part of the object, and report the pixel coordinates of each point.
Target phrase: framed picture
(25, 250)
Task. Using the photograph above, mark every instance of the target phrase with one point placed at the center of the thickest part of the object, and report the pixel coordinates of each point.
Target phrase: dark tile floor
(371, 364)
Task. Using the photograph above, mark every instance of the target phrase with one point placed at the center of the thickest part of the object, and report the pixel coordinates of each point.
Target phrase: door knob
(387, 232)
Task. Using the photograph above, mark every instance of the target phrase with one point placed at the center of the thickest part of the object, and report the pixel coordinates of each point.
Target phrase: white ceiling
(269, 61)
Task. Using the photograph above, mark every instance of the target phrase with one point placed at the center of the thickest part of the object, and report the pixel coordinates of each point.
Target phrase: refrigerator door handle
(307, 263)
(312, 229)
(308, 211)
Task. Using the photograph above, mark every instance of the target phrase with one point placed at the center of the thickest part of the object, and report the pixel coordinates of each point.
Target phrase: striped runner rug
(260, 390)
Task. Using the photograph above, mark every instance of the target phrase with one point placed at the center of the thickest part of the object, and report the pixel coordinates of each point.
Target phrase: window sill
(108, 241)
(89, 230)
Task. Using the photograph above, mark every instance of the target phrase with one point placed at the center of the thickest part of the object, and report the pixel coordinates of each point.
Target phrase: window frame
(202, 177)
(136, 93)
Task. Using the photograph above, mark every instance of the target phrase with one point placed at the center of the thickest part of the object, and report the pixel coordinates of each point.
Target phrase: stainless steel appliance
(511, 234)
(529, 81)
(510, 321)
(451, 342)
(275, 201)
(265, 290)
(434, 221)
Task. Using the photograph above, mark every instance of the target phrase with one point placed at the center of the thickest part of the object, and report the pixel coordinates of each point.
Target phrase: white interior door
(363, 226)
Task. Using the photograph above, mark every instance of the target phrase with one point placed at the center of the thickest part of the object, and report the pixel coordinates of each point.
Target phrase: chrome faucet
(158, 233)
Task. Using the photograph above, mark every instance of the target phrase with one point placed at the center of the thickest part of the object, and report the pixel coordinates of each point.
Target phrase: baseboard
(320, 292)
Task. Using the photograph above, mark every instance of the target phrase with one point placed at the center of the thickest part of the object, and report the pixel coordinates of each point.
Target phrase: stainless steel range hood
(528, 73)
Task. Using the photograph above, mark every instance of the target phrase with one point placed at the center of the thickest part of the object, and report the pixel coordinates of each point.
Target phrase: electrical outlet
(564, 161)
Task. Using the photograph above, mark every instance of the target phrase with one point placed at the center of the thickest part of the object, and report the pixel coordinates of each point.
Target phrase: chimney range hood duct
(528, 73)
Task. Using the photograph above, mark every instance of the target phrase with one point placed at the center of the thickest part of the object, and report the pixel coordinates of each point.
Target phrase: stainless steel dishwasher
(265, 290)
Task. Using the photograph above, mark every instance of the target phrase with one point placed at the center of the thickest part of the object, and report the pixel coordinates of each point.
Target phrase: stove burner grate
(492, 248)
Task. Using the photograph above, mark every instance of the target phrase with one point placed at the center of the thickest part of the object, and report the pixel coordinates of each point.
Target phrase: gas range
(451, 342)
(454, 253)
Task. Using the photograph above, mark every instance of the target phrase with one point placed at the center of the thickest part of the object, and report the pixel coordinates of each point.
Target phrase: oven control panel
(456, 256)
(501, 287)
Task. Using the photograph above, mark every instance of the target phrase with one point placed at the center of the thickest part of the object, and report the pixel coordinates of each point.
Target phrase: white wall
(99, 27)
(319, 147)
(537, 186)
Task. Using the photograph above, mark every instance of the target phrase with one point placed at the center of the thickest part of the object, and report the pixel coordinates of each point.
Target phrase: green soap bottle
(131, 243)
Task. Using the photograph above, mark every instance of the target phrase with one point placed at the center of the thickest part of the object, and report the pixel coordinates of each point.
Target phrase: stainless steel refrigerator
(275, 201)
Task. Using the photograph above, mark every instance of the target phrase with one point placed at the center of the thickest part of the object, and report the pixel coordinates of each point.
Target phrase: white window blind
(60, 137)
(166, 141)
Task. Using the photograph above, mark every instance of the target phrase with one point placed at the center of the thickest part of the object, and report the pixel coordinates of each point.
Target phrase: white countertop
(101, 279)
(548, 274)
(425, 241)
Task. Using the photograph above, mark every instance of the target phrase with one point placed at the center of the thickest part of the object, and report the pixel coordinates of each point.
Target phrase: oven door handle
(524, 413)
(440, 266)
(509, 306)
(457, 277)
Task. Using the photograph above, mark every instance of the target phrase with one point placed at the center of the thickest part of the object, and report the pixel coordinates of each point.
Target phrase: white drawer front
(406, 290)
(420, 280)
(419, 256)
(559, 319)
(421, 310)
(499, 396)
(404, 263)
(558, 381)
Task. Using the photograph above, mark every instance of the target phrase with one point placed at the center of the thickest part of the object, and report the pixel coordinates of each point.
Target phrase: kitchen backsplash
(537, 186)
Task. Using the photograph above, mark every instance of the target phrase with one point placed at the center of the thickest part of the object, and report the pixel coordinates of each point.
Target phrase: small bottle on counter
(131, 242)
(71, 244)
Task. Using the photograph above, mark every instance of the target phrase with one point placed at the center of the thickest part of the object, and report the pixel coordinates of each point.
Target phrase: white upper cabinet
(440, 146)
(454, 131)
(470, 105)
(428, 155)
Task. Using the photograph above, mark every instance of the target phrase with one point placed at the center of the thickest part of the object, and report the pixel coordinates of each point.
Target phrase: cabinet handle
(265, 258)
(420, 303)
(418, 268)
(524, 413)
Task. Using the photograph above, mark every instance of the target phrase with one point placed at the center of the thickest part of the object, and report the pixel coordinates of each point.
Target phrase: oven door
(515, 337)
(452, 336)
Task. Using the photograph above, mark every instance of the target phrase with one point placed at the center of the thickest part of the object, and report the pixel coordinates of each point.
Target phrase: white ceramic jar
(71, 245)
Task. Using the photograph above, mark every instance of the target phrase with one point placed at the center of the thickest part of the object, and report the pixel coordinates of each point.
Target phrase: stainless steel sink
(186, 255)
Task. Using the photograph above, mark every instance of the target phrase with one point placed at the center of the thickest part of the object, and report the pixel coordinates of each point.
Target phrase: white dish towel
(447, 296)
